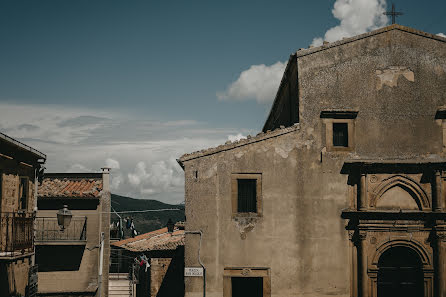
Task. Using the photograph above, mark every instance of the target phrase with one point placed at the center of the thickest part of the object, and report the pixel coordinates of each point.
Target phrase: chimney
(170, 226)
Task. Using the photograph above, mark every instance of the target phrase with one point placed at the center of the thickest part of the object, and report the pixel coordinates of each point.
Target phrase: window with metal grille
(23, 193)
(340, 134)
(247, 195)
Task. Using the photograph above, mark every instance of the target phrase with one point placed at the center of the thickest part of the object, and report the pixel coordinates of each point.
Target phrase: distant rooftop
(71, 185)
(153, 241)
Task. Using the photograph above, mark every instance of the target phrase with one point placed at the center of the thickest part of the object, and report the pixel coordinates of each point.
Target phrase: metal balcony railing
(16, 233)
(47, 230)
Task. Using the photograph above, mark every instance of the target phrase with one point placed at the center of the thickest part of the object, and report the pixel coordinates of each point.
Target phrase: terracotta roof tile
(71, 186)
(153, 241)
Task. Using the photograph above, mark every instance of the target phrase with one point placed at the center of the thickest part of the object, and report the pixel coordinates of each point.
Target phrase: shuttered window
(23, 193)
(247, 195)
(340, 134)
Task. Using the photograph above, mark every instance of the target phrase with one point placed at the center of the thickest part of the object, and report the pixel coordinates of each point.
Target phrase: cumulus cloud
(160, 176)
(111, 163)
(236, 137)
(259, 82)
(356, 17)
(442, 35)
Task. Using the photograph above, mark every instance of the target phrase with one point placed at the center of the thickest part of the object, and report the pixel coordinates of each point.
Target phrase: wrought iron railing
(48, 230)
(16, 233)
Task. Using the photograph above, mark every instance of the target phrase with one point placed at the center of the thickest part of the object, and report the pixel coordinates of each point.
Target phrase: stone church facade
(343, 192)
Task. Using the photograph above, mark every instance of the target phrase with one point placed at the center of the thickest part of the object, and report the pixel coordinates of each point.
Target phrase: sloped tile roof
(71, 186)
(153, 241)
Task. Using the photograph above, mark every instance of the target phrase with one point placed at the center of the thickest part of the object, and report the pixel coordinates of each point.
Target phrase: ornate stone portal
(396, 204)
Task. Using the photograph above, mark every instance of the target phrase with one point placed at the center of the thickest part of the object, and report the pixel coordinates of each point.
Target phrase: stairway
(119, 285)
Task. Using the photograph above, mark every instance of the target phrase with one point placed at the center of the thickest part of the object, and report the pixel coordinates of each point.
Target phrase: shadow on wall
(173, 282)
(4, 284)
(59, 257)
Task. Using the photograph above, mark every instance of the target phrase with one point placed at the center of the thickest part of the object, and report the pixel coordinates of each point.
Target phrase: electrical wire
(144, 210)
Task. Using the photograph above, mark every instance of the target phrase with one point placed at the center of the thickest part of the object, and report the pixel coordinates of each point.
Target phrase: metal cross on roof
(393, 13)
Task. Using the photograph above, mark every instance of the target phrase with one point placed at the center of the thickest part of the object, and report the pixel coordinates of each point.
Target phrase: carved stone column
(352, 235)
(437, 203)
(441, 269)
(362, 269)
(362, 201)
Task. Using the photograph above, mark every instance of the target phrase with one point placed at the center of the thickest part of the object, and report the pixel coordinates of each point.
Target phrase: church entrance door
(400, 273)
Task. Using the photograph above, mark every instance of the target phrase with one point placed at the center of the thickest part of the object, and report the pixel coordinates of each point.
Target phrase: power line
(144, 210)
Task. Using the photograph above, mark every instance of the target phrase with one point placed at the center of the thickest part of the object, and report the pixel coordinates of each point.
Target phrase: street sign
(193, 271)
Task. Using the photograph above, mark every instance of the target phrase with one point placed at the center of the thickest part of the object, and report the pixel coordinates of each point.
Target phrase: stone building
(69, 259)
(20, 166)
(343, 192)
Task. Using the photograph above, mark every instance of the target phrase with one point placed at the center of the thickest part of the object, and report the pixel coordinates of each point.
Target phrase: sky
(133, 85)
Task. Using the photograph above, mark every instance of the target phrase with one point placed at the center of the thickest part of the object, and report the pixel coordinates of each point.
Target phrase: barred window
(247, 195)
(23, 193)
(340, 134)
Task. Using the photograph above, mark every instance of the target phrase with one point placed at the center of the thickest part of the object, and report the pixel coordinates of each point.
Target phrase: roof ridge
(311, 50)
(238, 143)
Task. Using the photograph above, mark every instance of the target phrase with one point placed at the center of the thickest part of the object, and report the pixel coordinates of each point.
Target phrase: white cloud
(259, 82)
(111, 163)
(141, 152)
(356, 17)
(161, 176)
(236, 137)
(442, 35)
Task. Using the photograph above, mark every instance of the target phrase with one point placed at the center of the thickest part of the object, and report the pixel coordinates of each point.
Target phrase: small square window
(246, 189)
(340, 134)
(246, 195)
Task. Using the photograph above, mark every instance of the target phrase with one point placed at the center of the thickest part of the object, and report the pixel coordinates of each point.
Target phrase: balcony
(16, 235)
(48, 231)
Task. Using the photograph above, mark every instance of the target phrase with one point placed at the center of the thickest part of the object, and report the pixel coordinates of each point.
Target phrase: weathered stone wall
(11, 171)
(158, 269)
(288, 239)
(396, 82)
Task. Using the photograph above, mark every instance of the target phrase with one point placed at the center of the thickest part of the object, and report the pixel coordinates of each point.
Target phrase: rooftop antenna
(393, 13)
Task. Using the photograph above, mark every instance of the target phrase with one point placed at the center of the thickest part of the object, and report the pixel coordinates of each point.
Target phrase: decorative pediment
(399, 192)
(396, 185)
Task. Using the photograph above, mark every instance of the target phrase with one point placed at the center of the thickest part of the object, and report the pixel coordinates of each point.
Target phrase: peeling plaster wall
(396, 80)
(290, 238)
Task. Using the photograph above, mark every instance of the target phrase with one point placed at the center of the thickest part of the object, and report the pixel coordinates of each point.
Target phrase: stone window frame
(329, 117)
(234, 194)
(262, 272)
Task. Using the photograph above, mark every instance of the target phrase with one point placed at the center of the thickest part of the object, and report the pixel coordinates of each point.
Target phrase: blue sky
(135, 84)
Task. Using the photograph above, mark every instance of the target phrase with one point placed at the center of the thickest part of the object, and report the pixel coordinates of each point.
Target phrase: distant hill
(146, 221)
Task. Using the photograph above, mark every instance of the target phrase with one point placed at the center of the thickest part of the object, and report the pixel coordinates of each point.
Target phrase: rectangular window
(340, 134)
(247, 195)
(23, 193)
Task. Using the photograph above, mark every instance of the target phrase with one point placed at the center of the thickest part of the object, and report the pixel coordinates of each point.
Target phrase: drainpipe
(199, 260)
(101, 256)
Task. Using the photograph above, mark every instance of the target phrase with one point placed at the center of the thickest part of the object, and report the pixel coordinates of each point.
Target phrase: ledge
(392, 215)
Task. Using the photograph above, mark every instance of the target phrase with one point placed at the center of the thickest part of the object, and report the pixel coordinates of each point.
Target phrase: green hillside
(146, 221)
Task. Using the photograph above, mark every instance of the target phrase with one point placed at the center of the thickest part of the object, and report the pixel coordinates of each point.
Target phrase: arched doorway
(400, 273)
